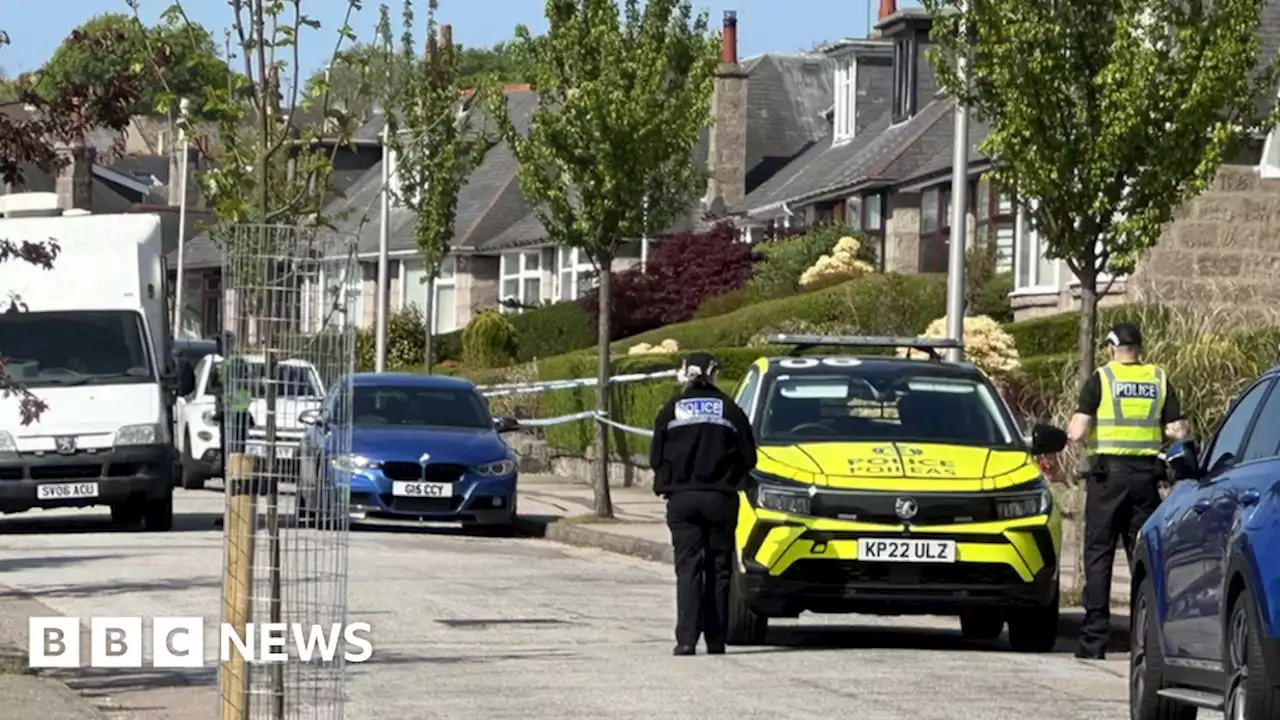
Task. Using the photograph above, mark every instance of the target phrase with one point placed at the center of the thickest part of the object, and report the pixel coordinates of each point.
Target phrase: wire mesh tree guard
(289, 296)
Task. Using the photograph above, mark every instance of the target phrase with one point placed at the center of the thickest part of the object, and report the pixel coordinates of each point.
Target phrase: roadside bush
(986, 345)
(541, 332)
(718, 305)
(405, 339)
(682, 271)
(1059, 333)
(992, 299)
(842, 262)
(877, 304)
(777, 275)
(489, 341)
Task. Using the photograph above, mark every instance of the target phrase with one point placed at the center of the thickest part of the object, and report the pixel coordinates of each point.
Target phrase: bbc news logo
(179, 642)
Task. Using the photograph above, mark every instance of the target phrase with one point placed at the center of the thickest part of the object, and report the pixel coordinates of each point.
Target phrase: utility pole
(184, 146)
(959, 216)
(380, 335)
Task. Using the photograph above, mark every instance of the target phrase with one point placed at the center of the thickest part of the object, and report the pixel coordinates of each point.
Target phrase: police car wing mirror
(310, 418)
(1047, 440)
(1183, 459)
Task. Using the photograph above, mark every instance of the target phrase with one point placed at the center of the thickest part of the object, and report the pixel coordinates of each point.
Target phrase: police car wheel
(981, 624)
(1034, 629)
(745, 625)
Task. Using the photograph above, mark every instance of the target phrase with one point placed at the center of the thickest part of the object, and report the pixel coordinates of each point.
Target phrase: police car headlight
(1036, 501)
(789, 499)
(500, 468)
(145, 434)
(352, 463)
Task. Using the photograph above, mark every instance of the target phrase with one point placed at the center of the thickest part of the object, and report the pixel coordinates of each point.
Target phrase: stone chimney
(727, 147)
(74, 181)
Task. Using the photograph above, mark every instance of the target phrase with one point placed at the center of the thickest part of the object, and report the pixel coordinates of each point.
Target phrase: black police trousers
(1121, 493)
(701, 523)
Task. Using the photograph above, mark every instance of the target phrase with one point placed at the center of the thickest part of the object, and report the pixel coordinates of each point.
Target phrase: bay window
(866, 213)
(574, 273)
(935, 229)
(414, 289)
(521, 274)
(1035, 272)
(995, 221)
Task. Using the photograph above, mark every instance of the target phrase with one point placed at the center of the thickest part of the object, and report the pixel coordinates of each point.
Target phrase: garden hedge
(1059, 333)
(542, 332)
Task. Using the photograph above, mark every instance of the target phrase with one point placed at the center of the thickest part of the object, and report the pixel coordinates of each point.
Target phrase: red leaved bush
(682, 271)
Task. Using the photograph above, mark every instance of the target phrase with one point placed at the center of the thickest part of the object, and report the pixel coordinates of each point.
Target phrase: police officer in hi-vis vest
(1123, 414)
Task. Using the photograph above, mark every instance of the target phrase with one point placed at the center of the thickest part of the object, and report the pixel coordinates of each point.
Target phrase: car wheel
(745, 625)
(190, 479)
(981, 624)
(1034, 629)
(1146, 664)
(158, 514)
(1251, 692)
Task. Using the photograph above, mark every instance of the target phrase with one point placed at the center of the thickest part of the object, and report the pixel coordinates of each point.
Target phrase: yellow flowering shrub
(842, 261)
(986, 345)
(666, 347)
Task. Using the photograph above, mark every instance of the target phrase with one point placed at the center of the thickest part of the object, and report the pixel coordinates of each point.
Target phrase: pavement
(504, 628)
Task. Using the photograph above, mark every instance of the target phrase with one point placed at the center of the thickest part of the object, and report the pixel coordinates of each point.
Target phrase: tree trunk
(429, 324)
(603, 501)
(1087, 339)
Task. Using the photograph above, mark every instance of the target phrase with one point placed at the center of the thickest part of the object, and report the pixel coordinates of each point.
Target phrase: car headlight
(787, 499)
(7, 444)
(1037, 501)
(207, 418)
(500, 468)
(145, 434)
(352, 463)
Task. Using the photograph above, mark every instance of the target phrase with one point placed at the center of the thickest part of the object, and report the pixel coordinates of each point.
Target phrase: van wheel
(745, 625)
(1034, 629)
(190, 480)
(158, 514)
(1251, 692)
(1146, 664)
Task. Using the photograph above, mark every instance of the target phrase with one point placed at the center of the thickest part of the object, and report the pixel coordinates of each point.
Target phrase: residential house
(885, 168)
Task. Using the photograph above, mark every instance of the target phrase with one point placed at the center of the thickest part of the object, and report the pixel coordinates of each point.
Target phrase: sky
(763, 25)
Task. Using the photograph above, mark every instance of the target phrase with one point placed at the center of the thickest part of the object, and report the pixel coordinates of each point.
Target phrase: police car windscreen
(869, 405)
(422, 407)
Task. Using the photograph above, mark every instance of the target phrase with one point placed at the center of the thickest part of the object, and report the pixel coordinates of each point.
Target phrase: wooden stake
(237, 583)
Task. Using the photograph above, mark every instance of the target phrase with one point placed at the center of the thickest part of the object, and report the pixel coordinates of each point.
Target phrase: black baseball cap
(701, 360)
(1124, 334)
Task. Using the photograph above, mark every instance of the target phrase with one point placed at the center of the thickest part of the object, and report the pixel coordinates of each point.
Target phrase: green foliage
(992, 298)
(178, 60)
(1136, 104)
(489, 341)
(718, 305)
(406, 331)
(1056, 334)
(435, 147)
(778, 275)
(879, 304)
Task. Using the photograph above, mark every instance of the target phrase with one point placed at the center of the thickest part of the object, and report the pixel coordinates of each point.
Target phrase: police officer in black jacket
(702, 449)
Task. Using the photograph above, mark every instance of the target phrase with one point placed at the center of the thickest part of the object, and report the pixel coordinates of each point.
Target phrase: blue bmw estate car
(421, 448)
(1205, 621)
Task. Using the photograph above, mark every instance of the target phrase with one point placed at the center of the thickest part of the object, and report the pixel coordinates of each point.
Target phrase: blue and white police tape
(546, 385)
(585, 415)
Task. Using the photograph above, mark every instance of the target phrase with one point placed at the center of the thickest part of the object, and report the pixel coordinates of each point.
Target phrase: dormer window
(904, 79)
(846, 99)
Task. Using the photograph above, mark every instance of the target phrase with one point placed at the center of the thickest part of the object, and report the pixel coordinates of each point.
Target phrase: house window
(414, 290)
(521, 279)
(574, 273)
(904, 79)
(846, 99)
(1035, 272)
(995, 221)
(935, 229)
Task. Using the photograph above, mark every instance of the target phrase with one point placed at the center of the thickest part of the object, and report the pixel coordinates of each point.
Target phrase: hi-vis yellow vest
(1129, 414)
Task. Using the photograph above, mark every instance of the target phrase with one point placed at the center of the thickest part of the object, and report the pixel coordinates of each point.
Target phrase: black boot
(685, 650)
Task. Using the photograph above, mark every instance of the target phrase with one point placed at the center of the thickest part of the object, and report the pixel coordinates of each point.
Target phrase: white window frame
(846, 93)
(522, 272)
(576, 266)
(1027, 248)
(448, 278)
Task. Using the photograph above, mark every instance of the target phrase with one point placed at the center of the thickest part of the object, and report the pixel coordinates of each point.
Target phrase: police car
(893, 486)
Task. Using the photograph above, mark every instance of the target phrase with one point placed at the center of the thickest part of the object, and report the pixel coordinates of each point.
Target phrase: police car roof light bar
(806, 342)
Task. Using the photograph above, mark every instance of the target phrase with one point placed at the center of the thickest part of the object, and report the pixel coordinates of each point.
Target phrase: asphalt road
(469, 627)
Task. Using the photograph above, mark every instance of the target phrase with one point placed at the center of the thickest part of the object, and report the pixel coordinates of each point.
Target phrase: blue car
(421, 448)
(1205, 621)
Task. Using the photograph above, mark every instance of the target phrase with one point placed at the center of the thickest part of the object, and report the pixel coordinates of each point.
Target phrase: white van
(91, 341)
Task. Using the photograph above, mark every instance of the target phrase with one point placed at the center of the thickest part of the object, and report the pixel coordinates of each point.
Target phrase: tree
(8, 87)
(27, 141)
(433, 141)
(1136, 104)
(192, 70)
(608, 157)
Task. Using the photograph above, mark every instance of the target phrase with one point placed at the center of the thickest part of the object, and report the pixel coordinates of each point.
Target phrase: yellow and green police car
(893, 486)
